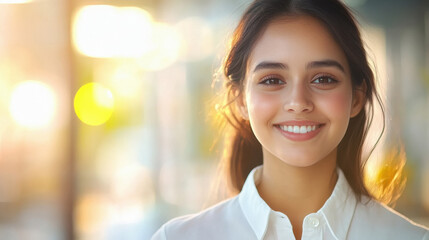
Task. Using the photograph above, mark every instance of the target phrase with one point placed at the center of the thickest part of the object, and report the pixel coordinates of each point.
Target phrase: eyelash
(328, 77)
(268, 81)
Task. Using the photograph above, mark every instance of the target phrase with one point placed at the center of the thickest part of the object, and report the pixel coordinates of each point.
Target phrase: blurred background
(104, 128)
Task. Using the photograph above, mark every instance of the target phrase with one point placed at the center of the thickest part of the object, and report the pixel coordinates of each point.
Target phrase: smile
(298, 129)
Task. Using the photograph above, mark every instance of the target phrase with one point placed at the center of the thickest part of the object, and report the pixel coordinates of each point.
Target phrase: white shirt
(247, 216)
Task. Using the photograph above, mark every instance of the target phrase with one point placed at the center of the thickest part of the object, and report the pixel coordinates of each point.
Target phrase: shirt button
(313, 221)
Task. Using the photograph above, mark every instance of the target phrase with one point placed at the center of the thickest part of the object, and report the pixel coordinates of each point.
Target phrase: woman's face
(298, 94)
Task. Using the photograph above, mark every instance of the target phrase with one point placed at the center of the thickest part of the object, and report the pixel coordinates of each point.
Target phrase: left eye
(325, 80)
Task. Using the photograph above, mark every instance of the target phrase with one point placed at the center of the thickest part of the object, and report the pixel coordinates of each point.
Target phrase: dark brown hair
(242, 151)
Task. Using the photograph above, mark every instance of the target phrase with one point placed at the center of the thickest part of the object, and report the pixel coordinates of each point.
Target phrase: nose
(298, 100)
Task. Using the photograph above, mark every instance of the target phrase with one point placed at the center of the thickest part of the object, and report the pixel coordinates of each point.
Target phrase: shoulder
(222, 219)
(381, 222)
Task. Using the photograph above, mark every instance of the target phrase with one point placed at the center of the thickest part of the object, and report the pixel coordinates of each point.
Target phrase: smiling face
(298, 94)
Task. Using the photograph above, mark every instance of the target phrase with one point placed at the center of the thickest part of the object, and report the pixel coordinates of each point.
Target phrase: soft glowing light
(106, 31)
(386, 179)
(166, 47)
(14, 1)
(32, 104)
(93, 104)
(124, 77)
(198, 40)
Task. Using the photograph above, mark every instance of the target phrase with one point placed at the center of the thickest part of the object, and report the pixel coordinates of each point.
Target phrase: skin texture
(307, 79)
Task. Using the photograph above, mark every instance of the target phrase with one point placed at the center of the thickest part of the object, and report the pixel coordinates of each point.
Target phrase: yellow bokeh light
(32, 104)
(105, 31)
(94, 104)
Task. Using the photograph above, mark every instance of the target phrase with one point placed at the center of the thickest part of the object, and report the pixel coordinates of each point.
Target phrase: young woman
(298, 100)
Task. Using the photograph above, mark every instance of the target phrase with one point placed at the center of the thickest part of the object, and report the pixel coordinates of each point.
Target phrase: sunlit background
(104, 131)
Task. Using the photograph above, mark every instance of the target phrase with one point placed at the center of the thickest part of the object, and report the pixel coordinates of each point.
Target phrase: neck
(297, 191)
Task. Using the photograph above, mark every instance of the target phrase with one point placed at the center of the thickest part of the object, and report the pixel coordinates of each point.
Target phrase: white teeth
(295, 129)
(298, 129)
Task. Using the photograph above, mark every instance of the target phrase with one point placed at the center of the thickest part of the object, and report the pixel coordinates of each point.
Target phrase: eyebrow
(270, 65)
(325, 63)
(314, 64)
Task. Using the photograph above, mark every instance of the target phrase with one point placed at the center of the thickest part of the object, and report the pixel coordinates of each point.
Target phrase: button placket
(279, 227)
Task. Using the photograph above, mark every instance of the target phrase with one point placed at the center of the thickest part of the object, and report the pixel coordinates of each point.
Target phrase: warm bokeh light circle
(105, 31)
(32, 104)
(94, 104)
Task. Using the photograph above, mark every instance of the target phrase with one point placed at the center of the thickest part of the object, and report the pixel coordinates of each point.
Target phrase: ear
(359, 99)
(241, 104)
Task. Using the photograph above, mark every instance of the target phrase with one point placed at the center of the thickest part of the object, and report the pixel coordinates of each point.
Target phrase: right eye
(271, 81)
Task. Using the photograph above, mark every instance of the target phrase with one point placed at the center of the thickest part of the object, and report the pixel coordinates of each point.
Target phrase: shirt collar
(254, 207)
(338, 210)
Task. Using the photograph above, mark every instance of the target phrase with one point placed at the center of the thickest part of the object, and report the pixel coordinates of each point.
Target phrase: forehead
(299, 39)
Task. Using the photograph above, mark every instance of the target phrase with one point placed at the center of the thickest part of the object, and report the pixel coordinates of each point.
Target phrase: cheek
(260, 104)
(337, 104)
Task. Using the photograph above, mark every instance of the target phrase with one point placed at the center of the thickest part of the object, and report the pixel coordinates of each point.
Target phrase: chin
(300, 163)
(300, 159)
